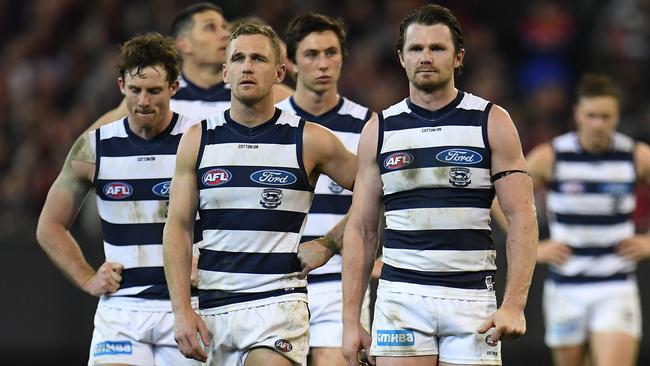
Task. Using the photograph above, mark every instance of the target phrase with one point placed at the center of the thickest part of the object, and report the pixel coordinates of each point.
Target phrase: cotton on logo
(398, 160)
(118, 190)
(215, 177)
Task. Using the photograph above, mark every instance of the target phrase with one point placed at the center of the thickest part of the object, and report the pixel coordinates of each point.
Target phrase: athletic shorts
(326, 309)
(281, 326)
(572, 311)
(135, 337)
(408, 324)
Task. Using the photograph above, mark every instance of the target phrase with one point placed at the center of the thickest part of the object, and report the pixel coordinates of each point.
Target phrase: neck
(435, 99)
(315, 103)
(202, 76)
(251, 115)
(150, 130)
(594, 147)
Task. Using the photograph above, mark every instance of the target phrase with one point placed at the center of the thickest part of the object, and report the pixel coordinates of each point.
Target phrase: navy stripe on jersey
(466, 280)
(439, 156)
(119, 146)
(439, 240)
(592, 187)
(248, 262)
(439, 197)
(586, 157)
(593, 220)
(141, 189)
(306, 238)
(326, 277)
(593, 251)
(331, 204)
(142, 276)
(154, 292)
(141, 234)
(241, 176)
(257, 220)
(332, 119)
(587, 279)
(191, 92)
(214, 298)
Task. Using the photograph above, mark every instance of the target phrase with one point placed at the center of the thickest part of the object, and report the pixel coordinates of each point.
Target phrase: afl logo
(398, 160)
(162, 189)
(215, 177)
(118, 190)
(459, 156)
(283, 345)
(273, 177)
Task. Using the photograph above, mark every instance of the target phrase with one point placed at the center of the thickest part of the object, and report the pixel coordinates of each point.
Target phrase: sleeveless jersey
(254, 195)
(590, 206)
(437, 192)
(331, 201)
(198, 103)
(132, 179)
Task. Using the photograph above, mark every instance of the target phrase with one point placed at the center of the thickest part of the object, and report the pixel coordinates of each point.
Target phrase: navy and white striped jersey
(590, 206)
(331, 201)
(132, 179)
(196, 102)
(437, 192)
(254, 195)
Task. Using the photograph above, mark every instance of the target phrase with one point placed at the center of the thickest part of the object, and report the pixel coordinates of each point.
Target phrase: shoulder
(540, 161)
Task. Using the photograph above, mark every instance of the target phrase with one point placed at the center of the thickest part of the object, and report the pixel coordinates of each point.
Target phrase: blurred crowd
(58, 69)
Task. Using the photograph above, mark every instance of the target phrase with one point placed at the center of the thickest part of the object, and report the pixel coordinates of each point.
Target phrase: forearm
(65, 253)
(177, 255)
(333, 240)
(358, 260)
(521, 251)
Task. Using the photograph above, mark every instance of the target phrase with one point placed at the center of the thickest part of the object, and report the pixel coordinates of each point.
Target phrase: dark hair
(249, 29)
(149, 49)
(303, 25)
(184, 20)
(597, 85)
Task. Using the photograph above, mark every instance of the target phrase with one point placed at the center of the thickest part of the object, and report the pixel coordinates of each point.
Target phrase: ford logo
(118, 190)
(459, 156)
(271, 177)
(162, 189)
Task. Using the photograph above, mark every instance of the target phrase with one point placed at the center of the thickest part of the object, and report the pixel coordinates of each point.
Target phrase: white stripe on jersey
(132, 212)
(441, 260)
(134, 256)
(227, 281)
(250, 241)
(353, 109)
(446, 218)
(407, 179)
(472, 102)
(128, 167)
(323, 187)
(615, 171)
(266, 155)
(239, 198)
(197, 108)
(415, 138)
(599, 266)
(590, 204)
(316, 222)
(396, 109)
(591, 235)
(349, 139)
(113, 129)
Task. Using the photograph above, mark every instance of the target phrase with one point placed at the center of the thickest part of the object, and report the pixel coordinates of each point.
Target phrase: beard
(431, 84)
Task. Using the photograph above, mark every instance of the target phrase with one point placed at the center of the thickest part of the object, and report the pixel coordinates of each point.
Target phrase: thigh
(459, 341)
(281, 327)
(566, 310)
(326, 356)
(569, 355)
(613, 349)
(408, 361)
(266, 357)
(120, 337)
(404, 325)
(165, 349)
(617, 310)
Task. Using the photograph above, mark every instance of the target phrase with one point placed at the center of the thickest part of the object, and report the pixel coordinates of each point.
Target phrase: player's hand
(188, 326)
(105, 281)
(635, 248)
(355, 340)
(552, 252)
(508, 323)
(312, 254)
(376, 269)
(194, 276)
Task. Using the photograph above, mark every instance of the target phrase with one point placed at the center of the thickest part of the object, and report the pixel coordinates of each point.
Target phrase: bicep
(333, 158)
(183, 199)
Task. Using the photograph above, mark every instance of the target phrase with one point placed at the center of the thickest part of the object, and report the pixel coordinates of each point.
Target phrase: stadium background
(57, 75)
